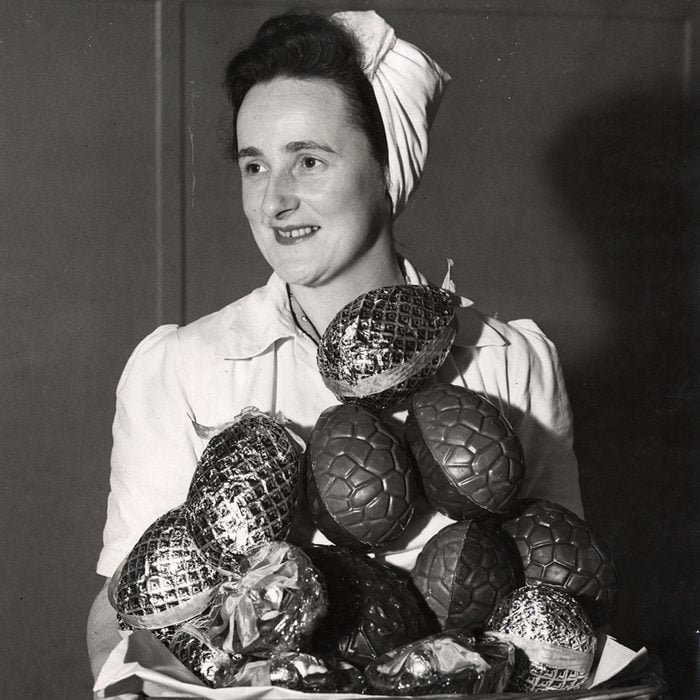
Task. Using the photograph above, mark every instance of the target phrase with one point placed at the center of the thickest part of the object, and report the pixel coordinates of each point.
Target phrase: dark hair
(305, 45)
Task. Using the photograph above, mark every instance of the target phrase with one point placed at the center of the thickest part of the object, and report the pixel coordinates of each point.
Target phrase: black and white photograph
(352, 349)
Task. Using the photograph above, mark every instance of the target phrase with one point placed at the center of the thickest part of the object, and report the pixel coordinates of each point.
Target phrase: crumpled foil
(554, 640)
(383, 345)
(244, 490)
(164, 580)
(449, 662)
(274, 606)
(213, 666)
(301, 671)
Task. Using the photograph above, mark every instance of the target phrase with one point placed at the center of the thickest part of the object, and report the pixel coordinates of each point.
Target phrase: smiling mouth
(289, 234)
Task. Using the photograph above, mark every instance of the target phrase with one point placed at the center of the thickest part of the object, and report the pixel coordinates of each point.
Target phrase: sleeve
(542, 418)
(154, 451)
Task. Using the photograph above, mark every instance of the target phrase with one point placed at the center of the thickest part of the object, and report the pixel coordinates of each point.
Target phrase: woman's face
(312, 192)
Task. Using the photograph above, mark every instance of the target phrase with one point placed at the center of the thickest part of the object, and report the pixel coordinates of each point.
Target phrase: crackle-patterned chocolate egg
(559, 548)
(360, 479)
(383, 345)
(164, 580)
(470, 460)
(463, 571)
(372, 608)
(244, 490)
(553, 638)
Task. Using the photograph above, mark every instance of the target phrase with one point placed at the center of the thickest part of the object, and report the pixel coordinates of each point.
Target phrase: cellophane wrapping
(447, 662)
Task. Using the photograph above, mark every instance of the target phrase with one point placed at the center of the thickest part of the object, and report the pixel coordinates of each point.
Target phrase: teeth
(298, 232)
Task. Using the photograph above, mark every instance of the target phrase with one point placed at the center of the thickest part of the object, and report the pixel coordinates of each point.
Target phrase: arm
(154, 449)
(102, 631)
(102, 637)
(542, 419)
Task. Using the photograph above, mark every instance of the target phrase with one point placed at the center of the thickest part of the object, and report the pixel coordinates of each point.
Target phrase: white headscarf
(408, 86)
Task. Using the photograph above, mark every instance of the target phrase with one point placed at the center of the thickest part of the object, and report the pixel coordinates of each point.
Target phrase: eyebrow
(291, 147)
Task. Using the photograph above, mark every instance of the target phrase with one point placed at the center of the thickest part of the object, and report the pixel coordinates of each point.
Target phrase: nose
(280, 196)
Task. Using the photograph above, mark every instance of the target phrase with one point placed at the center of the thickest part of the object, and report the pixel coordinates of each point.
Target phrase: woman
(331, 119)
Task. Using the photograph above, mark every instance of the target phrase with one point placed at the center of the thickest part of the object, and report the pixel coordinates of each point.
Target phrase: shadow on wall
(627, 172)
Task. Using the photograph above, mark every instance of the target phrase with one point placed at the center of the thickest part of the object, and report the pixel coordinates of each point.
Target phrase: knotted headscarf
(408, 86)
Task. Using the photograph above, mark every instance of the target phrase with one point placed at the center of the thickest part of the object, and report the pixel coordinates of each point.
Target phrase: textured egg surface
(395, 336)
(361, 483)
(243, 492)
(462, 572)
(470, 460)
(541, 621)
(559, 548)
(371, 607)
(163, 570)
(213, 666)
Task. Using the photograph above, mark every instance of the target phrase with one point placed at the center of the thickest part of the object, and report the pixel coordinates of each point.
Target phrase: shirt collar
(263, 317)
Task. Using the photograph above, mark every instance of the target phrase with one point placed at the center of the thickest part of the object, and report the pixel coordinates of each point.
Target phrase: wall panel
(560, 180)
(78, 278)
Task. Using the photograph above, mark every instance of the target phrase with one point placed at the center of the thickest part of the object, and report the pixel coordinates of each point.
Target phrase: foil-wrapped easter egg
(273, 606)
(213, 666)
(450, 662)
(554, 639)
(360, 479)
(164, 580)
(297, 670)
(372, 608)
(383, 345)
(244, 490)
(314, 674)
(470, 460)
(559, 548)
(463, 571)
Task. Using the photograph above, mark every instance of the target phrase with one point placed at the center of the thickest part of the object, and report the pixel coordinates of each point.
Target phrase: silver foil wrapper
(449, 662)
(244, 490)
(554, 640)
(383, 345)
(164, 580)
(274, 606)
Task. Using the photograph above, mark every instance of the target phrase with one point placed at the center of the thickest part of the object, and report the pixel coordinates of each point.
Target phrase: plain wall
(562, 180)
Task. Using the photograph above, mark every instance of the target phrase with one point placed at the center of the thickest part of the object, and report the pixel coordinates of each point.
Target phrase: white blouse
(250, 353)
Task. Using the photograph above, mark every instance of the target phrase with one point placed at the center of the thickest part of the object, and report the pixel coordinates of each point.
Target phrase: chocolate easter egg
(213, 666)
(371, 607)
(383, 345)
(450, 662)
(244, 490)
(462, 572)
(164, 580)
(360, 479)
(553, 638)
(559, 548)
(470, 460)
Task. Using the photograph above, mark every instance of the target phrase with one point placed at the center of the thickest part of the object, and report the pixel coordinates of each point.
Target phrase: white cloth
(250, 353)
(408, 86)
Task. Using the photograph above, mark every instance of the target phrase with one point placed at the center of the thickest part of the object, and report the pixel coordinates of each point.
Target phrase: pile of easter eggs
(509, 591)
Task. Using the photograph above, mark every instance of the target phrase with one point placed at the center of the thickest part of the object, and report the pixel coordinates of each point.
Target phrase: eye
(309, 162)
(252, 168)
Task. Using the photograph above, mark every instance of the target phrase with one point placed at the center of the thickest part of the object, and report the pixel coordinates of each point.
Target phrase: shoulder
(521, 346)
(480, 330)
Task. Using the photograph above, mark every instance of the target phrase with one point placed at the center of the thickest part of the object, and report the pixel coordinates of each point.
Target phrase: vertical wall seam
(687, 59)
(182, 18)
(158, 159)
